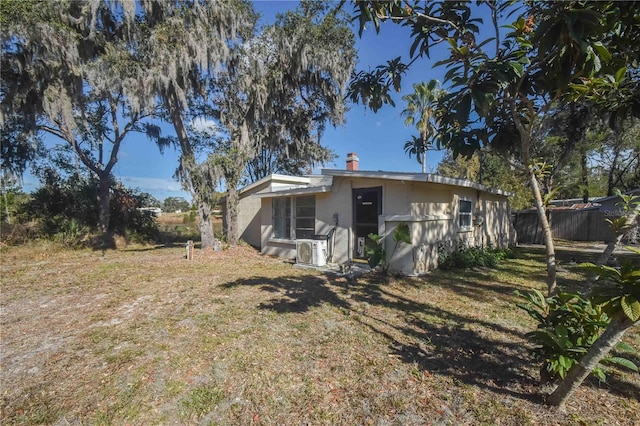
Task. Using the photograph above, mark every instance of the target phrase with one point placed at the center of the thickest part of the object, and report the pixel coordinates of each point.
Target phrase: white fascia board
(275, 177)
(297, 191)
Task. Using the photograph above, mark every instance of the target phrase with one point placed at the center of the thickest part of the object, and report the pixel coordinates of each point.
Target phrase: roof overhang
(275, 178)
(415, 177)
(296, 191)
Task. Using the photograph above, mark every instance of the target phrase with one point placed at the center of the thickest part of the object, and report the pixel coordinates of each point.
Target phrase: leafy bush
(65, 209)
(376, 253)
(618, 288)
(568, 325)
(127, 220)
(10, 202)
(471, 257)
(61, 205)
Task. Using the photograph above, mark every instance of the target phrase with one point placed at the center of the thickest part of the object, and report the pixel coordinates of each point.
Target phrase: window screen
(305, 217)
(464, 213)
(282, 217)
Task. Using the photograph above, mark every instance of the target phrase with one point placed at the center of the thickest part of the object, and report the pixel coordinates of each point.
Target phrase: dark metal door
(367, 206)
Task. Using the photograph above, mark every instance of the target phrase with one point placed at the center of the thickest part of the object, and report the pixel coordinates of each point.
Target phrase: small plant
(575, 334)
(70, 232)
(376, 254)
(567, 325)
(618, 289)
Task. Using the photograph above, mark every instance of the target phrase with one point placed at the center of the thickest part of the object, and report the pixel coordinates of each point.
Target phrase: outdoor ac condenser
(311, 252)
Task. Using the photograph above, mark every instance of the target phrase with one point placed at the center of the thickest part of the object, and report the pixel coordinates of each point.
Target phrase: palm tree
(420, 110)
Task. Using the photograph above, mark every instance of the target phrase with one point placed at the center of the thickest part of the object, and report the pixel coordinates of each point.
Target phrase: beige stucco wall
(249, 220)
(497, 228)
(331, 207)
(430, 199)
(434, 225)
(251, 214)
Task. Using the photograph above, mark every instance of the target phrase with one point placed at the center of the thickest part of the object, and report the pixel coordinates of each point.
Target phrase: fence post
(189, 250)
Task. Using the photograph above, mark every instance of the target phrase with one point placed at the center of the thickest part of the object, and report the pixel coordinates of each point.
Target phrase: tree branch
(67, 136)
(437, 20)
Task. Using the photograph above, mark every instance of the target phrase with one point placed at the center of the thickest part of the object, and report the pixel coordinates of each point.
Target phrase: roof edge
(295, 191)
(276, 177)
(416, 177)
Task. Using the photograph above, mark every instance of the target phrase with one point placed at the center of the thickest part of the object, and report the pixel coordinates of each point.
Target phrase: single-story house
(326, 218)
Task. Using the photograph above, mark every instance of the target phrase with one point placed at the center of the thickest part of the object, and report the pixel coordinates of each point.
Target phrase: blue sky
(377, 138)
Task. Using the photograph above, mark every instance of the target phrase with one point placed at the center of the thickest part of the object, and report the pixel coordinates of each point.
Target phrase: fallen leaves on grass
(143, 336)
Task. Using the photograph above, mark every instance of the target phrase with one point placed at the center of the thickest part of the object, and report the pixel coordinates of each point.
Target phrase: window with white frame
(294, 222)
(464, 213)
(281, 218)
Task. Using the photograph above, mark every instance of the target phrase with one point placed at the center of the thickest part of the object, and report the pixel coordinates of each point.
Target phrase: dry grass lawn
(141, 336)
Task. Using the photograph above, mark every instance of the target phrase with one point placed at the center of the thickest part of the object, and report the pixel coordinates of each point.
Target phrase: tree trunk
(104, 205)
(552, 287)
(232, 177)
(207, 236)
(611, 246)
(104, 197)
(232, 215)
(608, 251)
(619, 324)
(424, 162)
(585, 177)
(611, 181)
(6, 205)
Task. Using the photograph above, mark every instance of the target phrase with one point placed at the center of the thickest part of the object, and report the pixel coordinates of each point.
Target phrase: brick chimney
(352, 161)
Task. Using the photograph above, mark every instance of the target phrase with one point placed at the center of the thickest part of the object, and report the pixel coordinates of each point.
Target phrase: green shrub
(471, 257)
(568, 324)
(66, 210)
(375, 251)
(189, 217)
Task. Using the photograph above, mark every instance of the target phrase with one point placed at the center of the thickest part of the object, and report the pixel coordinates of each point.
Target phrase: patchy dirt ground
(141, 336)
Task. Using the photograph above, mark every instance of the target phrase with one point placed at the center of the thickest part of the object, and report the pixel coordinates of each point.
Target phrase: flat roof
(295, 191)
(278, 178)
(415, 177)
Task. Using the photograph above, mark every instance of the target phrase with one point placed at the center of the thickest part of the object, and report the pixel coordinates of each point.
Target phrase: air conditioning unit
(311, 252)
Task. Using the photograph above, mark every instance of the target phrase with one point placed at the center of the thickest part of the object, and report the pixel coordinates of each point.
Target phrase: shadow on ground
(456, 346)
(436, 338)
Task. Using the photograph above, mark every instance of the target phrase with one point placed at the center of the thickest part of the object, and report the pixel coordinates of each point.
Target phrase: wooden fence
(575, 225)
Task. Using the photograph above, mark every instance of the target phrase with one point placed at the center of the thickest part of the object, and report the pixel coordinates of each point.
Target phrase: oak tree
(286, 88)
(70, 70)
